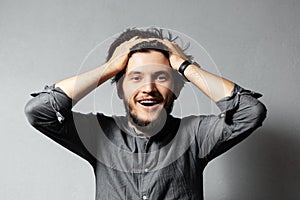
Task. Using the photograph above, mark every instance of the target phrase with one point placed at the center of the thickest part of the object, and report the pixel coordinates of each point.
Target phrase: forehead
(148, 61)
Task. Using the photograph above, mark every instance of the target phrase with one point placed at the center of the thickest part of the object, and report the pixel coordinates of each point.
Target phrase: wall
(254, 43)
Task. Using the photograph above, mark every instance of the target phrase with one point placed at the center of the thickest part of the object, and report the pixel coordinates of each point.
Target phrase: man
(147, 154)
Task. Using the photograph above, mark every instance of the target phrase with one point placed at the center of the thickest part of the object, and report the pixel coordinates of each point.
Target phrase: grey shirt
(167, 165)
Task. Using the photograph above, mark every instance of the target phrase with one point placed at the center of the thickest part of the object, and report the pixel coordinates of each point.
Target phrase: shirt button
(145, 197)
(146, 170)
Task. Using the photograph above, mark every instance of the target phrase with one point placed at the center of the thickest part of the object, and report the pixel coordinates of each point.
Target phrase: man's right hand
(120, 57)
(77, 87)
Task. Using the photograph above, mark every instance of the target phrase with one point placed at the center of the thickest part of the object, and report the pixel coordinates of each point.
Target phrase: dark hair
(146, 46)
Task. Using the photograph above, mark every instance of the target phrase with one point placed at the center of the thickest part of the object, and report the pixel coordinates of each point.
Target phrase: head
(148, 85)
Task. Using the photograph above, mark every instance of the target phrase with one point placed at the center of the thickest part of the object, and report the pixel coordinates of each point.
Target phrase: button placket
(222, 115)
(145, 146)
(145, 170)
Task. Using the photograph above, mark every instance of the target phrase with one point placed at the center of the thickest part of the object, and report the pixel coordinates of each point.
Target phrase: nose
(148, 87)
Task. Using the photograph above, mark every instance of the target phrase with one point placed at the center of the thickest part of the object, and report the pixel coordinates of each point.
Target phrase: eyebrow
(134, 73)
(162, 73)
(155, 73)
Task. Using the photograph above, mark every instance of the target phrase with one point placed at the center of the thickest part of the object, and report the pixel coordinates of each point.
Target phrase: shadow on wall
(273, 161)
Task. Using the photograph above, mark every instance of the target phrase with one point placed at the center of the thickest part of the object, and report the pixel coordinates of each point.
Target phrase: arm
(241, 112)
(79, 86)
(50, 110)
(59, 97)
(215, 87)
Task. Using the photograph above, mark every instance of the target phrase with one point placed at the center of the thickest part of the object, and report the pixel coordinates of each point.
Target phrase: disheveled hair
(146, 46)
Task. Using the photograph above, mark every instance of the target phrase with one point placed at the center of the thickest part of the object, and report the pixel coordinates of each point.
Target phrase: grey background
(254, 43)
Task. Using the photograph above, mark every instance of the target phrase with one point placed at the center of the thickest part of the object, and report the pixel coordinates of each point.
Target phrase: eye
(136, 78)
(162, 77)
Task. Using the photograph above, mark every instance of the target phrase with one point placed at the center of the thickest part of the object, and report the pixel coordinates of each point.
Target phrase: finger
(134, 38)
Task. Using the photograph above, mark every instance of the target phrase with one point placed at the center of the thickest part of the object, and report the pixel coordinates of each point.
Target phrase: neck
(150, 129)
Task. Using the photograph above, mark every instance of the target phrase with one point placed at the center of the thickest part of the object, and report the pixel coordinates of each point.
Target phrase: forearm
(77, 87)
(215, 87)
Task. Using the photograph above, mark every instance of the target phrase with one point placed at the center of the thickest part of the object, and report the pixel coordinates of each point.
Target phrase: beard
(151, 127)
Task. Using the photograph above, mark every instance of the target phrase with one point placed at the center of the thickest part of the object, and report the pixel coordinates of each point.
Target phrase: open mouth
(148, 102)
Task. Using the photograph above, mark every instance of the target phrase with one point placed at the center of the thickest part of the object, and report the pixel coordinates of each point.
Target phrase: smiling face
(147, 87)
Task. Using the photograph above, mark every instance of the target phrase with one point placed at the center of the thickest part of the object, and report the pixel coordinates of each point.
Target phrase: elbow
(31, 112)
(258, 114)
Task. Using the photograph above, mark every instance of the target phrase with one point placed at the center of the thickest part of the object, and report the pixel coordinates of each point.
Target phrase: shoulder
(193, 119)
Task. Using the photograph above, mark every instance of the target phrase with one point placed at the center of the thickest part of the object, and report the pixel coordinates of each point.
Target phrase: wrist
(113, 67)
(183, 66)
(176, 62)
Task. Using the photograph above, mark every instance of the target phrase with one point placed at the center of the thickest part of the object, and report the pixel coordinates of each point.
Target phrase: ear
(120, 90)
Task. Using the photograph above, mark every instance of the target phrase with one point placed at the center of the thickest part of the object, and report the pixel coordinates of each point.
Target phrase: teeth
(148, 101)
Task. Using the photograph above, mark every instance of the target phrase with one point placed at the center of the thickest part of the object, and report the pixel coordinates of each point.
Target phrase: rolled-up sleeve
(241, 113)
(50, 112)
(50, 106)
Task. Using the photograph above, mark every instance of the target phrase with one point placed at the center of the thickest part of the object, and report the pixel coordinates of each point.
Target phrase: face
(147, 87)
